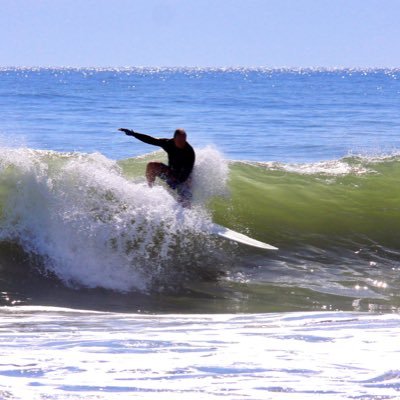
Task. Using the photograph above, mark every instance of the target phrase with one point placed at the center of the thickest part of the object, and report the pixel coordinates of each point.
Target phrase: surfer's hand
(126, 131)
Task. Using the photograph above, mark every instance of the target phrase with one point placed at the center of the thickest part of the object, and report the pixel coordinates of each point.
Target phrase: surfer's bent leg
(162, 171)
(157, 169)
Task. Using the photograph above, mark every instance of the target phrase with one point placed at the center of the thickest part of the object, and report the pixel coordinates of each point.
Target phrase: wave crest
(92, 225)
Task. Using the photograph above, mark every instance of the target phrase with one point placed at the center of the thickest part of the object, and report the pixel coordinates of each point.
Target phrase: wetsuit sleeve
(148, 139)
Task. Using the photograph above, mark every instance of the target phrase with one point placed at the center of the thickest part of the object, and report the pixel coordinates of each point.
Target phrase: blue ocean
(109, 287)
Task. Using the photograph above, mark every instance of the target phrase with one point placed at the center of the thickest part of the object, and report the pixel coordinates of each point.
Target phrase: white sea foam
(327, 168)
(210, 175)
(94, 227)
(355, 163)
(64, 354)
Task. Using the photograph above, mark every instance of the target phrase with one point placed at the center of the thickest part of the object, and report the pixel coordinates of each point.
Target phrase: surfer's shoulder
(189, 147)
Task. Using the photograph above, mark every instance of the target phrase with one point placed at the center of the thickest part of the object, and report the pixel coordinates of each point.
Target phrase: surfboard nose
(230, 234)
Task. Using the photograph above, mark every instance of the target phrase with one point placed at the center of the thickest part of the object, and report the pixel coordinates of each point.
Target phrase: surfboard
(229, 234)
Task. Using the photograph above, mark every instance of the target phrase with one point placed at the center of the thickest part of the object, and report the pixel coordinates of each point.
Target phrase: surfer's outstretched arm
(144, 138)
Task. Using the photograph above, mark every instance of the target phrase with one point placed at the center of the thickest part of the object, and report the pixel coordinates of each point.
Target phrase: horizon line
(199, 68)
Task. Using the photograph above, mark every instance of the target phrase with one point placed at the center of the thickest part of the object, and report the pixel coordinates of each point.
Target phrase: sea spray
(210, 175)
(94, 227)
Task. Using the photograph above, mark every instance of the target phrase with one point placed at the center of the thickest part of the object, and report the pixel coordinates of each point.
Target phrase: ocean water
(110, 288)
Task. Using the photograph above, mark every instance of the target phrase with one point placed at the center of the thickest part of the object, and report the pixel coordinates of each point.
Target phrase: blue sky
(272, 33)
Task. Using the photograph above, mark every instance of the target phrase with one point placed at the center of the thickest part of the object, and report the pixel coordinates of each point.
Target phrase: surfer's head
(180, 138)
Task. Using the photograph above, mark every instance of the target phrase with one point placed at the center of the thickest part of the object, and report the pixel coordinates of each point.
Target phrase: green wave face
(324, 204)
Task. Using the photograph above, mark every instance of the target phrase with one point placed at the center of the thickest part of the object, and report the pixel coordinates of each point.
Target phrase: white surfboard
(239, 237)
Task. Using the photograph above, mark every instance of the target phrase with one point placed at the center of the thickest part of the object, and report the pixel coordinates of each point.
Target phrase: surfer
(181, 159)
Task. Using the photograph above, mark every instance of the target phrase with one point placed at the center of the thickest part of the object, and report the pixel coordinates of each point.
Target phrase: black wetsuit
(180, 161)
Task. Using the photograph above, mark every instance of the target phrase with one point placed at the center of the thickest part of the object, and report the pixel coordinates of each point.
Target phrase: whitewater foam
(210, 175)
(58, 353)
(327, 168)
(92, 226)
